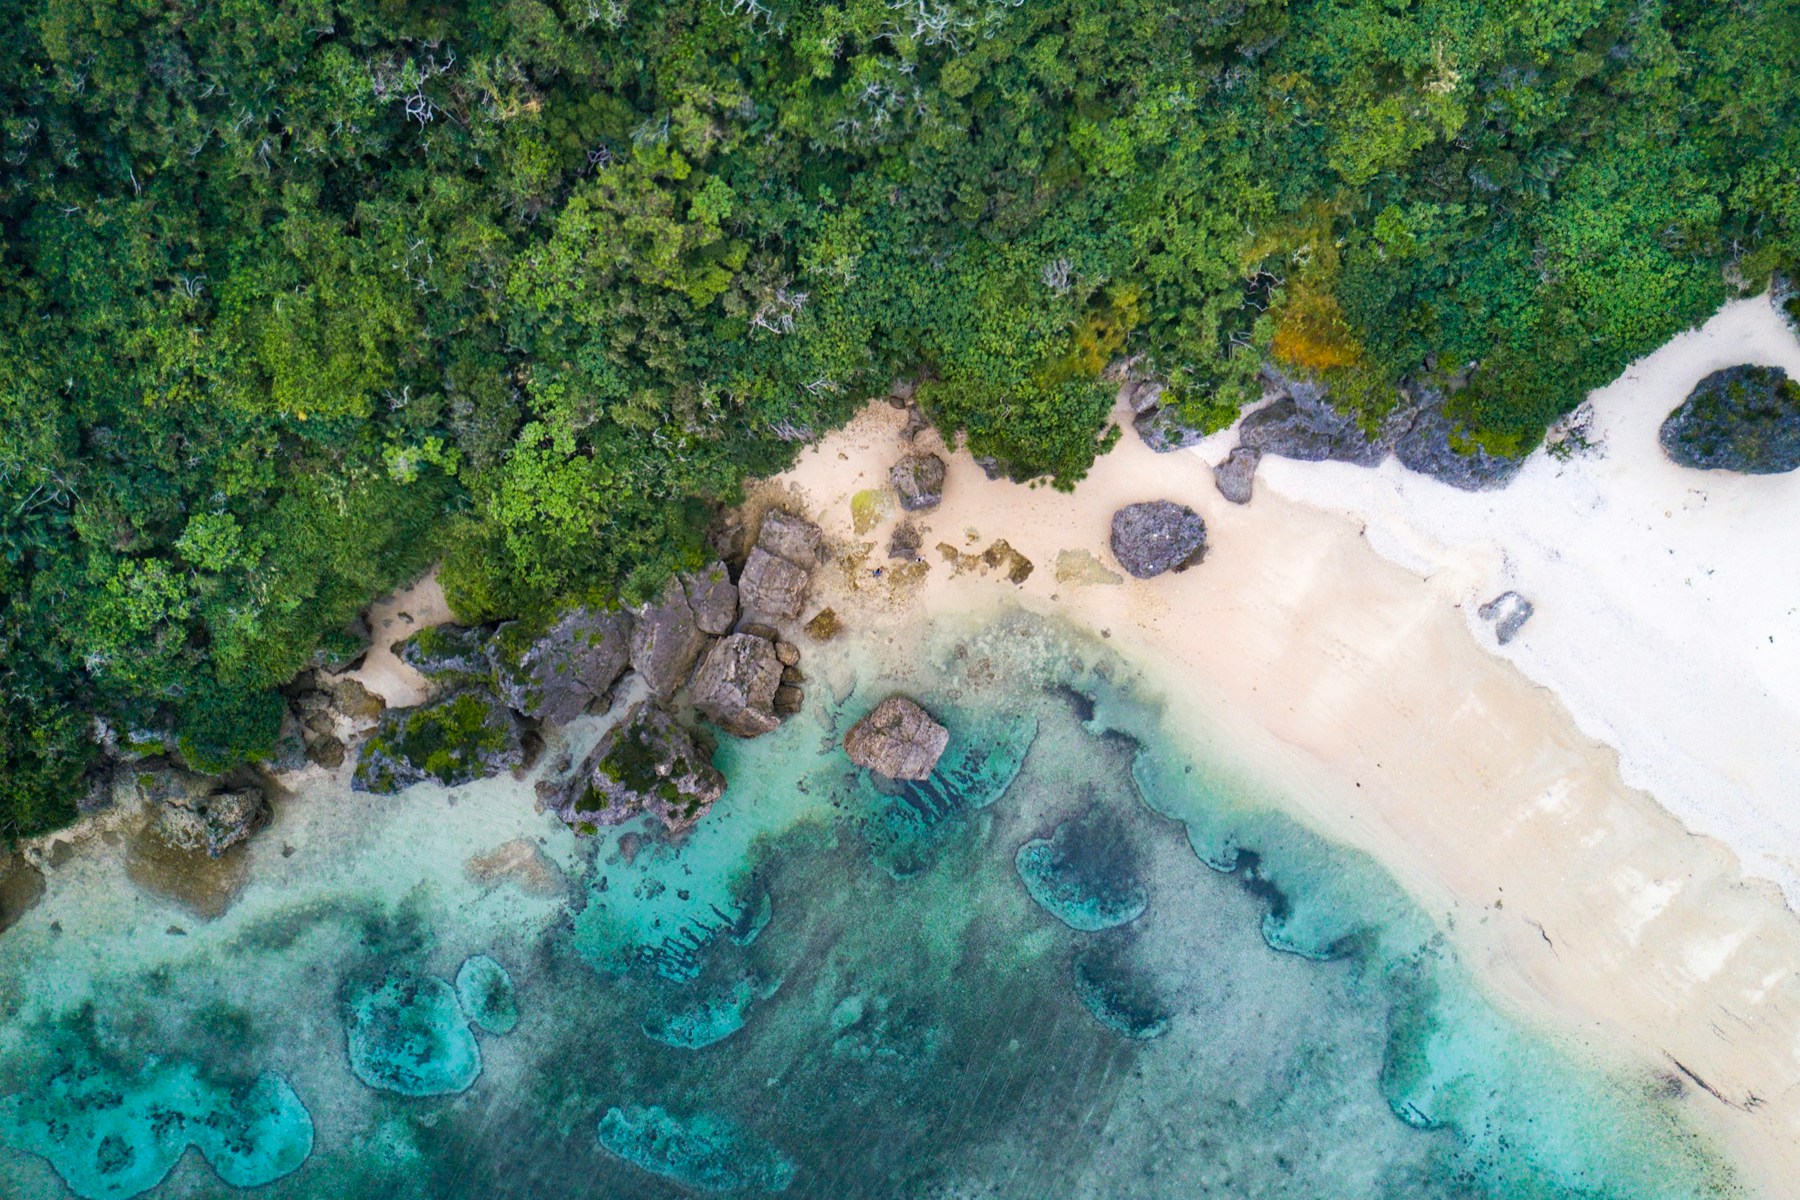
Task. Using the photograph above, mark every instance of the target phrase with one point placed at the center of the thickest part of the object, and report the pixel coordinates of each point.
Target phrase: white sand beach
(1364, 691)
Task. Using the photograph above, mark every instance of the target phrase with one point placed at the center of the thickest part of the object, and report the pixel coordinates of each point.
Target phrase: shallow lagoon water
(1076, 962)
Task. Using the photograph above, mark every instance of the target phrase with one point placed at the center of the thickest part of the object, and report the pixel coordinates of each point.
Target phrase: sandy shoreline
(1357, 688)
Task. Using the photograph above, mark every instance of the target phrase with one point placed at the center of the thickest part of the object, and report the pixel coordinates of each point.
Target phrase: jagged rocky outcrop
(467, 735)
(1159, 425)
(448, 653)
(918, 479)
(899, 740)
(1426, 440)
(648, 762)
(1744, 418)
(1508, 612)
(1157, 536)
(198, 812)
(734, 685)
(1236, 476)
(667, 641)
(1300, 423)
(554, 672)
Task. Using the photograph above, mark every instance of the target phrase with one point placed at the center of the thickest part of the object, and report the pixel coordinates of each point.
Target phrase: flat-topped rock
(648, 762)
(734, 685)
(792, 538)
(1744, 418)
(1157, 536)
(899, 740)
(773, 585)
(555, 671)
(667, 640)
(918, 479)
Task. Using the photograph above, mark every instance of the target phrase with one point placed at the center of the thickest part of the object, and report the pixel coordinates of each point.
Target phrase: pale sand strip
(1358, 689)
(1668, 599)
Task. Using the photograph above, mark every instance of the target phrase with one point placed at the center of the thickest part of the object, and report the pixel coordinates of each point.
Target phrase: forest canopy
(300, 296)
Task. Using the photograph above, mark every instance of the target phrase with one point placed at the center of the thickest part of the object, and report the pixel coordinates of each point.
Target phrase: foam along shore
(1667, 599)
(1355, 688)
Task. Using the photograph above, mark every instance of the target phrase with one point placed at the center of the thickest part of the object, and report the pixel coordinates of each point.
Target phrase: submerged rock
(554, 672)
(1157, 536)
(21, 887)
(1236, 475)
(918, 479)
(648, 762)
(485, 992)
(1744, 418)
(1082, 877)
(704, 1151)
(1109, 989)
(448, 653)
(773, 585)
(899, 740)
(110, 1136)
(197, 813)
(904, 542)
(458, 738)
(734, 685)
(407, 1034)
(667, 640)
(1508, 611)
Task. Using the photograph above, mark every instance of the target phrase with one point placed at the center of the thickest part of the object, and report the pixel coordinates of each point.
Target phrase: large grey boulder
(713, 598)
(734, 685)
(1744, 418)
(667, 640)
(1157, 536)
(467, 735)
(553, 672)
(1236, 476)
(773, 585)
(197, 812)
(919, 481)
(648, 762)
(793, 538)
(899, 740)
(446, 653)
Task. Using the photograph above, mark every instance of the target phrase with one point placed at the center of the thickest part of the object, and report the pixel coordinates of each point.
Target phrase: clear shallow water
(1076, 962)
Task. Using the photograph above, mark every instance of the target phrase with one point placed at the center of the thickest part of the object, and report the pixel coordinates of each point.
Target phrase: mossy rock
(459, 738)
(1744, 418)
(649, 762)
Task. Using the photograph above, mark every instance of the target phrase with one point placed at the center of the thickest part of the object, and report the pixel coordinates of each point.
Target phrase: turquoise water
(1079, 961)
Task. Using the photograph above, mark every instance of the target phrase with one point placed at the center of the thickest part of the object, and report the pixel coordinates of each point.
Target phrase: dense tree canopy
(300, 295)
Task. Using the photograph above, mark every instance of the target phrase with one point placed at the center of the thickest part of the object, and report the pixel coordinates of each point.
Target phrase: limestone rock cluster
(704, 640)
(1300, 423)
